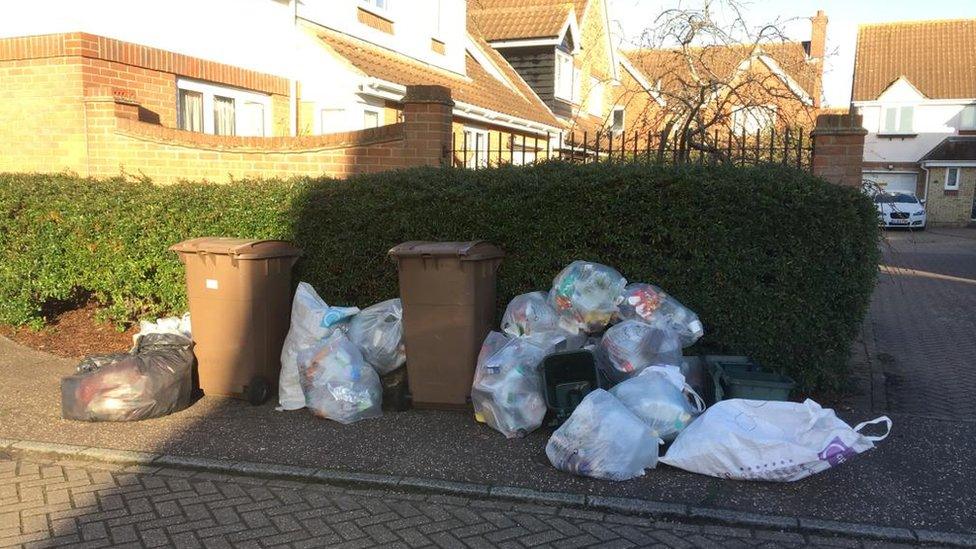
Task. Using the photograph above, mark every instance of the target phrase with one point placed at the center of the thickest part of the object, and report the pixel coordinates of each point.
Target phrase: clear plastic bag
(154, 379)
(378, 332)
(338, 383)
(603, 439)
(179, 325)
(585, 295)
(529, 313)
(507, 391)
(312, 320)
(629, 347)
(659, 397)
(650, 304)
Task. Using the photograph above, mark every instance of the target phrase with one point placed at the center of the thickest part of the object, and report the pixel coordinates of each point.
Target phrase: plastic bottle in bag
(586, 295)
(378, 332)
(507, 391)
(650, 304)
(629, 347)
(659, 397)
(338, 383)
(603, 439)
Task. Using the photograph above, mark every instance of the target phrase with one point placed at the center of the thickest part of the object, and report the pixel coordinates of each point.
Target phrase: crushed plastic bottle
(585, 295)
(650, 304)
(338, 383)
(629, 347)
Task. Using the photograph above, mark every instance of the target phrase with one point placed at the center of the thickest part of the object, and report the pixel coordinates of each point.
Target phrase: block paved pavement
(86, 504)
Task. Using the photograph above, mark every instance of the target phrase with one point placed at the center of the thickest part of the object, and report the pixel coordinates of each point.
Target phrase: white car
(900, 210)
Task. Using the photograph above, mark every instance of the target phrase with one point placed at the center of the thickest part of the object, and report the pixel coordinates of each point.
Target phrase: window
(895, 120)
(475, 148)
(191, 110)
(220, 110)
(618, 120)
(377, 4)
(564, 76)
(952, 179)
(332, 120)
(968, 118)
(371, 118)
(595, 100)
(753, 119)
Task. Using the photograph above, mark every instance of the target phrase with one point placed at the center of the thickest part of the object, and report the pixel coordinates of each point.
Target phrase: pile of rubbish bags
(637, 333)
(333, 357)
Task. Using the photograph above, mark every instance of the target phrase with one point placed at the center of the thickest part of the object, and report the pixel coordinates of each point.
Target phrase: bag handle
(698, 403)
(883, 419)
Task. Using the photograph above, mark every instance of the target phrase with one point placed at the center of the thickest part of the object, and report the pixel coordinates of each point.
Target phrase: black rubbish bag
(154, 379)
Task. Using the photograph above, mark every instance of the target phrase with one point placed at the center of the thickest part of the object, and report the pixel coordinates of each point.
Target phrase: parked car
(900, 210)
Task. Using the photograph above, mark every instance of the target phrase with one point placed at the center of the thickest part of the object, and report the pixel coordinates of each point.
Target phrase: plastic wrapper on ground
(507, 392)
(648, 303)
(768, 440)
(603, 439)
(338, 383)
(585, 295)
(312, 321)
(153, 380)
(629, 347)
(378, 332)
(659, 397)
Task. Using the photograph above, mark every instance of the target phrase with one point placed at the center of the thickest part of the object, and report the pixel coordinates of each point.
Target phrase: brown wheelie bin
(240, 301)
(448, 295)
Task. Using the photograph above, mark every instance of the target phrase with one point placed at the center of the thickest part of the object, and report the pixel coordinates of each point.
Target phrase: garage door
(893, 182)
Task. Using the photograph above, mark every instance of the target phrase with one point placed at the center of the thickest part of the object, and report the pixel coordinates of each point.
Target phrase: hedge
(778, 264)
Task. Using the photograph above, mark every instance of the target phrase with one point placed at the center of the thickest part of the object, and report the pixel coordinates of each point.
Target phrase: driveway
(924, 318)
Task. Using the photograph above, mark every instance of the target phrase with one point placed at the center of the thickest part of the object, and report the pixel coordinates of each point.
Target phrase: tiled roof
(937, 57)
(477, 88)
(671, 68)
(954, 148)
(522, 19)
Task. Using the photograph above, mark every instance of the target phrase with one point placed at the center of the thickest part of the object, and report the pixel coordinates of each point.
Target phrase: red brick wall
(838, 148)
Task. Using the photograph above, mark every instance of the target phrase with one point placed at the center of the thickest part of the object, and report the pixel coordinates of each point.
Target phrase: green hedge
(779, 265)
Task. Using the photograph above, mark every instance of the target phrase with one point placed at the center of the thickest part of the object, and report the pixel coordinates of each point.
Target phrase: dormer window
(968, 118)
(898, 120)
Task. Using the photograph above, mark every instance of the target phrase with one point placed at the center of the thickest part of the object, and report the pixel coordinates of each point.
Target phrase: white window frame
(562, 88)
(613, 119)
(971, 110)
(239, 96)
(377, 112)
(954, 186)
(899, 111)
(475, 143)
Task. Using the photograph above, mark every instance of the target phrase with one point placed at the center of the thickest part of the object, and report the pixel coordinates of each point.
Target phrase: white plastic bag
(629, 347)
(585, 295)
(768, 440)
(648, 303)
(176, 325)
(603, 439)
(312, 320)
(378, 332)
(507, 391)
(338, 383)
(659, 397)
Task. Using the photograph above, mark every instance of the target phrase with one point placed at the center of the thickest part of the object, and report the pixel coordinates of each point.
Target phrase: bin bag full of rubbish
(603, 439)
(629, 347)
(338, 383)
(648, 303)
(378, 332)
(659, 397)
(768, 440)
(528, 314)
(154, 379)
(586, 295)
(312, 320)
(507, 389)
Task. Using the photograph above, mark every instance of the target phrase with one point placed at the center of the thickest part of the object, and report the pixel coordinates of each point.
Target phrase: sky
(631, 17)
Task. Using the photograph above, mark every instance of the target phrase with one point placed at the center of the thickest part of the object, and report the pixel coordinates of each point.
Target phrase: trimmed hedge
(778, 264)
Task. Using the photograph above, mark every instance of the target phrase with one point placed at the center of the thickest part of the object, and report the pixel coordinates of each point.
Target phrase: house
(914, 86)
(740, 88)
(564, 50)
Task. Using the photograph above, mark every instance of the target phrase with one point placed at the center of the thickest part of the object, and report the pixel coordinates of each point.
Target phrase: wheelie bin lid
(240, 248)
(474, 250)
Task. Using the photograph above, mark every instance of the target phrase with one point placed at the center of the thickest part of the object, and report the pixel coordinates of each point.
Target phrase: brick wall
(838, 148)
(953, 207)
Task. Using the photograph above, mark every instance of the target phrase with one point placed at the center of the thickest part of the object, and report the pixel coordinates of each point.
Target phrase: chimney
(818, 35)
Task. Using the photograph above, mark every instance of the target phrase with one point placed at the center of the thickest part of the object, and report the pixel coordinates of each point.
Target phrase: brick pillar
(838, 148)
(427, 117)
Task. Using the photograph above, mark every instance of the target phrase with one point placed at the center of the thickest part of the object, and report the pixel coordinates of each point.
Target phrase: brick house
(914, 87)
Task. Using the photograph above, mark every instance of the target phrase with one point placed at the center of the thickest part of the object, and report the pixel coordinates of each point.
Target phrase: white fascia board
(642, 80)
(572, 26)
(949, 164)
(965, 101)
(794, 87)
(472, 47)
(521, 43)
